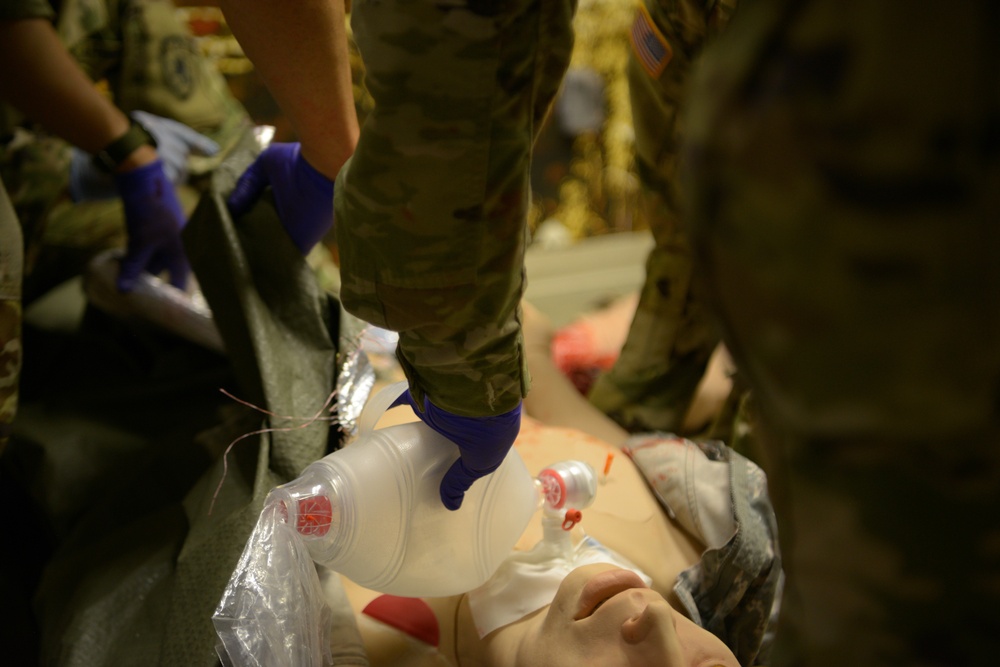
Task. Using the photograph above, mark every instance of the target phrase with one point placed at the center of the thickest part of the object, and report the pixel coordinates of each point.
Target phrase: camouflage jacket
(734, 591)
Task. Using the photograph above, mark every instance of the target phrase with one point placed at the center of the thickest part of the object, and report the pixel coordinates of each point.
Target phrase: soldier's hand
(483, 442)
(154, 220)
(302, 195)
(175, 142)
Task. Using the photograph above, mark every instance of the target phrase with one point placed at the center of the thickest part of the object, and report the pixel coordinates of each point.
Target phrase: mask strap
(377, 406)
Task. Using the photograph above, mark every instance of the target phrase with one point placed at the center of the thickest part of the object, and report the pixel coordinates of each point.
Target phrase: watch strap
(115, 153)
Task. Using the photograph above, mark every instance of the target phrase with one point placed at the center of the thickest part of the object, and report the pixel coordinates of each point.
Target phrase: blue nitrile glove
(302, 195)
(483, 442)
(154, 219)
(174, 143)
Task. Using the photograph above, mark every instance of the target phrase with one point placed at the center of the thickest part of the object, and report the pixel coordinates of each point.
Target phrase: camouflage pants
(844, 192)
(10, 315)
(670, 340)
(432, 208)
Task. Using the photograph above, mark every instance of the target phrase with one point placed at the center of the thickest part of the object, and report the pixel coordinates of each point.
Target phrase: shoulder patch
(177, 64)
(649, 45)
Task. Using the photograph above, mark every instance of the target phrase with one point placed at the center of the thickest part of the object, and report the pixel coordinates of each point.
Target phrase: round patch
(177, 62)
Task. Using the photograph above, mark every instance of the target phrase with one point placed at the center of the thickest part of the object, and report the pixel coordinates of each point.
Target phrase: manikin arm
(553, 399)
(300, 51)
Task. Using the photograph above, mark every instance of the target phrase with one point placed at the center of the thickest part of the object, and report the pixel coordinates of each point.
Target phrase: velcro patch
(649, 44)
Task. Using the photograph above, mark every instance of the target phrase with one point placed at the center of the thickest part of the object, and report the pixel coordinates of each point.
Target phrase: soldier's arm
(300, 52)
(41, 79)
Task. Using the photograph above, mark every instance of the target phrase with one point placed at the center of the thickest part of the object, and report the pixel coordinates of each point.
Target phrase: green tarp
(117, 449)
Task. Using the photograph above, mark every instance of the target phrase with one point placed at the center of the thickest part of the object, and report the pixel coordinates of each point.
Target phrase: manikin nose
(654, 619)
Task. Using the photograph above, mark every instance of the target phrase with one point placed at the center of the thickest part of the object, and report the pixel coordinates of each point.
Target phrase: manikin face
(604, 615)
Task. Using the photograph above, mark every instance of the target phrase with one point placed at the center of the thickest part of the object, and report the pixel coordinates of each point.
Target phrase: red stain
(410, 615)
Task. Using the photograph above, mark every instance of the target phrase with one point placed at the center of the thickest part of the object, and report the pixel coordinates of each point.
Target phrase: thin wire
(309, 421)
(356, 349)
(273, 414)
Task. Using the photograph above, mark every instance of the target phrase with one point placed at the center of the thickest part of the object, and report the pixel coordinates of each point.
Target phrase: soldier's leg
(844, 203)
(670, 340)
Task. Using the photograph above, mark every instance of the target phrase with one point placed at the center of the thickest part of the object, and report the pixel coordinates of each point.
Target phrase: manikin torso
(625, 516)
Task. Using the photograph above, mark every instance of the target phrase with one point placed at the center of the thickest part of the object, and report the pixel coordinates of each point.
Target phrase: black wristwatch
(115, 153)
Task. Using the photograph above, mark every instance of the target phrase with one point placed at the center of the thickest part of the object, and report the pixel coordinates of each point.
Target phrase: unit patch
(177, 62)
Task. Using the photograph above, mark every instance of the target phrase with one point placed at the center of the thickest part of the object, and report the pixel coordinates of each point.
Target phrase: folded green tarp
(141, 559)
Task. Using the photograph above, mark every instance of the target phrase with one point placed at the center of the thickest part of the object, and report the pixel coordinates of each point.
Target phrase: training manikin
(632, 542)
(371, 512)
(539, 605)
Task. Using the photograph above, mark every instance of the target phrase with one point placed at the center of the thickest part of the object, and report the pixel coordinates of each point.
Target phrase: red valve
(553, 488)
(573, 517)
(315, 516)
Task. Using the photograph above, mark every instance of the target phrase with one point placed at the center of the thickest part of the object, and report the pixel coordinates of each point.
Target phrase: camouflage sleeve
(431, 209)
(12, 10)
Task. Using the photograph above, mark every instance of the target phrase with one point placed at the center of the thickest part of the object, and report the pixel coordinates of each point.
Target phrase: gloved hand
(482, 441)
(153, 219)
(174, 143)
(303, 196)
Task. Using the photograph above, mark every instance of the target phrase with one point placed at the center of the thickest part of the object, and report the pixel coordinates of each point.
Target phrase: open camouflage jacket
(720, 497)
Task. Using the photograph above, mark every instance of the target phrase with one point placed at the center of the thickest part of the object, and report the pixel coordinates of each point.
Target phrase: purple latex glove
(153, 219)
(303, 196)
(483, 442)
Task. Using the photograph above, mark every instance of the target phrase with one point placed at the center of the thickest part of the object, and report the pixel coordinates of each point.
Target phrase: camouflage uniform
(670, 340)
(844, 169)
(11, 263)
(431, 209)
(10, 314)
(721, 498)
(150, 62)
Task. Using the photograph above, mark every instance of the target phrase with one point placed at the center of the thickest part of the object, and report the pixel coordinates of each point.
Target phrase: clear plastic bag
(273, 611)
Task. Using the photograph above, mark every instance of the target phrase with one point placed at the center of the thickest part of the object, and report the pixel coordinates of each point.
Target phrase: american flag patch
(649, 44)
